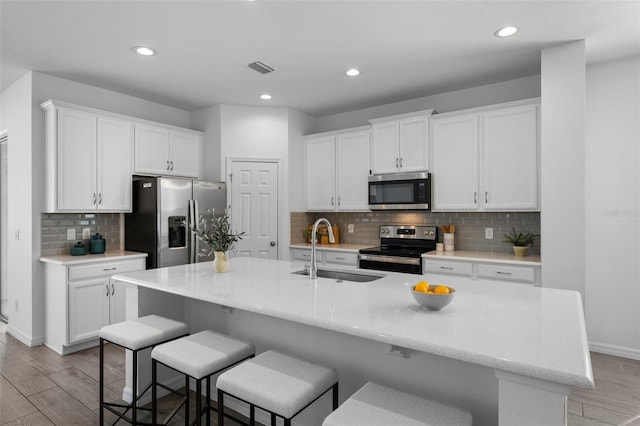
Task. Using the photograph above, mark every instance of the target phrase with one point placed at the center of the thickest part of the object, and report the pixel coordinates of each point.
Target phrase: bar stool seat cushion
(374, 404)
(143, 332)
(277, 382)
(202, 354)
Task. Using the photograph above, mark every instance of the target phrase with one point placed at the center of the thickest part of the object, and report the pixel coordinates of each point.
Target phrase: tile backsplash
(55, 225)
(470, 226)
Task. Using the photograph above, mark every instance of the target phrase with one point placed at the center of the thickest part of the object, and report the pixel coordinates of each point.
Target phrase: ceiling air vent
(261, 67)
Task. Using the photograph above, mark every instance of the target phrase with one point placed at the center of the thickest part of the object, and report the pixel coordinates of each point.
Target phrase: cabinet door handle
(172, 166)
(475, 198)
(332, 200)
(397, 163)
(113, 289)
(400, 162)
(94, 198)
(485, 197)
(447, 268)
(100, 198)
(339, 200)
(107, 285)
(503, 273)
(168, 165)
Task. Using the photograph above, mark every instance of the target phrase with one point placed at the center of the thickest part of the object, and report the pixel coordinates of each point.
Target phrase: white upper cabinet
(115, 149)
(165, 151)
(454, 173)
(510, 164)
(336, 170)
(89, 160)
(400, 143)
(486, 158)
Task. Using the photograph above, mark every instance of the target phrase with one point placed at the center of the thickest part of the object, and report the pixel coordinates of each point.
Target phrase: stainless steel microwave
(400, 191)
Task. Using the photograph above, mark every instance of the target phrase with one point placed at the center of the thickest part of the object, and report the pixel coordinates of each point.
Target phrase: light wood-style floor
(39, 387)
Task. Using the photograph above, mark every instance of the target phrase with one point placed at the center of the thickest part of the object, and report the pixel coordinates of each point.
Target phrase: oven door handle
(391, 259)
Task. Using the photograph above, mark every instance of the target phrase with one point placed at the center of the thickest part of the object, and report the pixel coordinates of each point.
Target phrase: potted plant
(520, 241)
(214, 231)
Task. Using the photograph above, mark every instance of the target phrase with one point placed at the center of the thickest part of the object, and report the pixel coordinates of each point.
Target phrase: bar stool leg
(208, 400)
(187, 401)
(273, 419)
(252, 415)
(287, 422)
(154, 393)
(198, 401)
(101, 381)
(220, 408)
(134, 413)
(335, 396)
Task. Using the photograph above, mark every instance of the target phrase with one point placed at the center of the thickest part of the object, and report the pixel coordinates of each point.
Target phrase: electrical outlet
(71, 234)
(350, 228)
(488, 233)
(86, 233)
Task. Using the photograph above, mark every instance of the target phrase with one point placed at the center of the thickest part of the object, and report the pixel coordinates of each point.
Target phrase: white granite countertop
(337, 247)
(484, 256)
(536, 332)
(67, 259)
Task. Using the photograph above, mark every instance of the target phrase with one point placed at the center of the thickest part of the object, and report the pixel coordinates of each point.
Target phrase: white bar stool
(374, 405)
(198, 356)
(135, 335)
(277, 383)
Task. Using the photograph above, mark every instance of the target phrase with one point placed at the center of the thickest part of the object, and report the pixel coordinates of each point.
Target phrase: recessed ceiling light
(506, 31)
(353, 72)
(265, 96)
(145, 51)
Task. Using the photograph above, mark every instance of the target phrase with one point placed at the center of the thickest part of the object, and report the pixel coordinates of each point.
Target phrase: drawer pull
(503, 273)
(109, 269)
(340, 258)
(447, 268)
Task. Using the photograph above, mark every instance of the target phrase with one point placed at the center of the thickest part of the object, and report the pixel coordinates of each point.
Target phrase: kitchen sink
(342, 275)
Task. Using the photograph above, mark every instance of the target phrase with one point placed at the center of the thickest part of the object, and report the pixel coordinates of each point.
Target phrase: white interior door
(254, 207)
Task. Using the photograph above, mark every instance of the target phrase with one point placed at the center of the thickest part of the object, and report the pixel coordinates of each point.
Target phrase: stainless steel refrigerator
(160, 205)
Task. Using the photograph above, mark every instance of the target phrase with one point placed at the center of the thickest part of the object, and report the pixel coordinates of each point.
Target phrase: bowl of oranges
(432, 296)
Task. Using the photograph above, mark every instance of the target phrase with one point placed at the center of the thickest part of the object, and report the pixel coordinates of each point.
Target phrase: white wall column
(562, 218)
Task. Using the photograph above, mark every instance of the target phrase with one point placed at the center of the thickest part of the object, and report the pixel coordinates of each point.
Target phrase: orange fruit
(441, 289)
(430, 292)
(422, 287)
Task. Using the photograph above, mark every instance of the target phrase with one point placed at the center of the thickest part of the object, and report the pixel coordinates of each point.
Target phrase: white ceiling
(405, 49)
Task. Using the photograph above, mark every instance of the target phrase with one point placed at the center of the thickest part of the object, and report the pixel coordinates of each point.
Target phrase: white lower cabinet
(81, 299)
(486, 271)
(326, 256)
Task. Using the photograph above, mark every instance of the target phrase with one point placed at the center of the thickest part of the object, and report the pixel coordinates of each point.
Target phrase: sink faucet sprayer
(313, 269)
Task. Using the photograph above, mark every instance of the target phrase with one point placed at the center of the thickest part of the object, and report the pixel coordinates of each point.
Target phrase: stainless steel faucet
(313, 268)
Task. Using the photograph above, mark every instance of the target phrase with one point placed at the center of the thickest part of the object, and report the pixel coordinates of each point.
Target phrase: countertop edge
(67, 259)
(484, 257)
(352, 248)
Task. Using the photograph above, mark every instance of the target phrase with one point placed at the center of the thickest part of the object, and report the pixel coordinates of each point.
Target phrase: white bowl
(433, 302)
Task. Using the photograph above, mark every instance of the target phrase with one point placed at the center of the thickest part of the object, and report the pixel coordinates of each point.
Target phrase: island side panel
(357, 360)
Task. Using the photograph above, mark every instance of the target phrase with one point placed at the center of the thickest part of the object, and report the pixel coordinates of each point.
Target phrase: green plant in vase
(214, 231)
(520, 241)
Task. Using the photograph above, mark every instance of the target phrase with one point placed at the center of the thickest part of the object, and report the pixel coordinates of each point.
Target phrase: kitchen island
(507, 353)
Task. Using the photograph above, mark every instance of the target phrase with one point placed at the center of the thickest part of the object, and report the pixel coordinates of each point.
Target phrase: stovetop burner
(395, 251)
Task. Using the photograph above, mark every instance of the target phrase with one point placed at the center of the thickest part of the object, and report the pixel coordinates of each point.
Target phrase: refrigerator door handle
(196, 217)
(191, 234)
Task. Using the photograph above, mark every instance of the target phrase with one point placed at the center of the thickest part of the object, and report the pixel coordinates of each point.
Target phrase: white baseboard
(614, 350)
(27, 340)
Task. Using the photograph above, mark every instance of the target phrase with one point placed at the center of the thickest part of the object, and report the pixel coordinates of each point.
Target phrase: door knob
(272, 243)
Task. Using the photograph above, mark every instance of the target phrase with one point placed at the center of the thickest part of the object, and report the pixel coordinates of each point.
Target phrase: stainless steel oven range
(401, 248)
